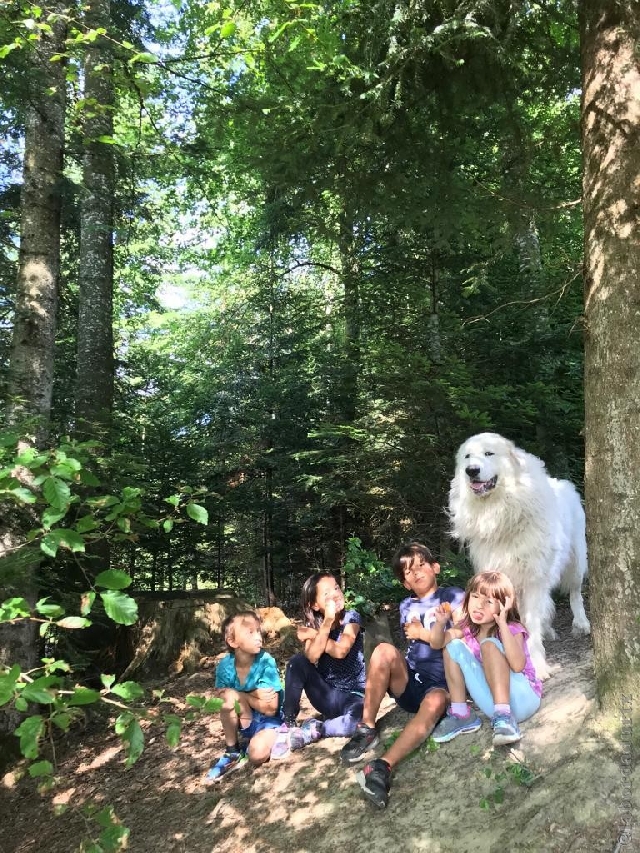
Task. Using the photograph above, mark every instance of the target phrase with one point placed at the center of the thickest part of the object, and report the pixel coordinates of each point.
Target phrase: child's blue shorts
(259, 722)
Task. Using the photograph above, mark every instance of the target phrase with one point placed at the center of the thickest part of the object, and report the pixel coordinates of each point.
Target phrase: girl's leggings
(523, 699)
(342, 710)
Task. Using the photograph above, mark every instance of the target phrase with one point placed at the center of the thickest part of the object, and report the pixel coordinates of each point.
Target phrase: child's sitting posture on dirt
(416, 681)
(330, 670)
(247, 680)
(487, 655)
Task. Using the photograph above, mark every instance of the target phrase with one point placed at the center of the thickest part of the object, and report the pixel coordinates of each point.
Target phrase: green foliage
(369, 581)
(510, 772)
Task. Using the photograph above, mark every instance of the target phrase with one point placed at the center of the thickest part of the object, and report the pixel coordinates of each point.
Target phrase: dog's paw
(580, 627)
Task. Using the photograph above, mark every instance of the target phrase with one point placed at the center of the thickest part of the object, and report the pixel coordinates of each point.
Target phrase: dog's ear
(517, 456)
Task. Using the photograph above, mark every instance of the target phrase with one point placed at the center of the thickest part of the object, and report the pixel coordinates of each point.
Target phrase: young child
(248, 681)
(416, 681)
(330, 670)
(487, 655)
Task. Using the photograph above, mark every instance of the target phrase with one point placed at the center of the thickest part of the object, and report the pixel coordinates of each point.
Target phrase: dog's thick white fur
(516, 519)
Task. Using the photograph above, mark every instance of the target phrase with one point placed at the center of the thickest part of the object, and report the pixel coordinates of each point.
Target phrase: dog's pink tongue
(477, 487)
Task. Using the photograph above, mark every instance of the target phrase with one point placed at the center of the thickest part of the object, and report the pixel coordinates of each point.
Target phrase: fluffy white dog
(516, 519)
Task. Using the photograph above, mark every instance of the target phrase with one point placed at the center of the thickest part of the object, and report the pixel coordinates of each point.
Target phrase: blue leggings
(523, 699)
(342, 710)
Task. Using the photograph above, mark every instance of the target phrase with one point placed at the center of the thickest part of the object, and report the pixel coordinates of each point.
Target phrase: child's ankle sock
(460, 709)
(502, 709)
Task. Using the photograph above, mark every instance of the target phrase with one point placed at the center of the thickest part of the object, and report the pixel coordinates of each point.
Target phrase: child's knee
(491, 647)
(383, 656)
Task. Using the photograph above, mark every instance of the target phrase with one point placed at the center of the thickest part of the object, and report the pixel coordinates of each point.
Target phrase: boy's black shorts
(418, 685)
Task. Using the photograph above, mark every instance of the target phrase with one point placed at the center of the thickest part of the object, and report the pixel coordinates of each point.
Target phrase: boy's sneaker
(505, 729)
(363, 741)
(452, 726)
(309, 732)
(232, 759)
(282, 744)
(375, 781)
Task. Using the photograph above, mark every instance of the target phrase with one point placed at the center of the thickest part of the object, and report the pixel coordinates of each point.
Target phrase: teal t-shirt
(263, 674)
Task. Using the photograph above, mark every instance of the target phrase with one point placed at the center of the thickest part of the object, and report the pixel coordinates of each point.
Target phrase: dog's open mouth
(482, 487)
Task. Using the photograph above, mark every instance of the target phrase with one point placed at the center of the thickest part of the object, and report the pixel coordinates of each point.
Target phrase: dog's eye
(489, 453)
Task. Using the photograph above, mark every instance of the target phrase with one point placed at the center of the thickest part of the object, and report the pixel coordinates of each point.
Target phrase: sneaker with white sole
(451, 726)
(230, 760)
(505, 729)
(363, 741)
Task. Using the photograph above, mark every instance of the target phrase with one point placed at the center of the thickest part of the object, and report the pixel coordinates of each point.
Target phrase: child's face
(482, 608)
(420, 577)
(247, 636)
(328, 589)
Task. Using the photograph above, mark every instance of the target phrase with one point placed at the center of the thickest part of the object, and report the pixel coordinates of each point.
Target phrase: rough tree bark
(32, 351)
(611, 150)
(94, 380)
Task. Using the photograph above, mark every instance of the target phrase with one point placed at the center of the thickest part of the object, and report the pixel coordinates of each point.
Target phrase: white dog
(516, 519)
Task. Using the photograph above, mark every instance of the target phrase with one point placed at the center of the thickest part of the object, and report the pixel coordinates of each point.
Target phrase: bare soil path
(308, 803)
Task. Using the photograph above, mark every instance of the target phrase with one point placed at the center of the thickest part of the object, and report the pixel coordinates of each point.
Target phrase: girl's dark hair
(495, 585)
(406, 556)
(308, 598)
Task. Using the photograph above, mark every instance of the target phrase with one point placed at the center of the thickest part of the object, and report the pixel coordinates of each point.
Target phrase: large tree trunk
(611, 146)
(94, 382)
(32, 350)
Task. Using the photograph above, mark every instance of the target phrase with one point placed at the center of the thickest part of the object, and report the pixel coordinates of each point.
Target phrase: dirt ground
(578, 802)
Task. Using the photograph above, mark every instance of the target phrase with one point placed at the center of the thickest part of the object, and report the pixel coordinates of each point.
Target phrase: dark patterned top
(345, 673)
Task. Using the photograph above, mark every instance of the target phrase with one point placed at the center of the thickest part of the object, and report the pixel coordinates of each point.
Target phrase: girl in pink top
(487, 655)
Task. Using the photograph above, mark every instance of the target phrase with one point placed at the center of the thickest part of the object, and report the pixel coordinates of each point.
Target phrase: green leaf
(174, 500)
(227, 30)
(30, 731)
(88, 478)
(25, 496)
(51, 611)
(61, 537)
(86, 602)
(51, 516)
(113, 579)
(86, 523)
(197, 513)
(72, 623)
(174, 726)
(41, 768)
(213, 705)
(128, 690)
(120, 607)
(14, 608)
(8, 684)
(21, 704)
(39, 690)
(62, 720)
(167, 524)
(134, 742)
(195, 701)
(83, 696)
(56, 492)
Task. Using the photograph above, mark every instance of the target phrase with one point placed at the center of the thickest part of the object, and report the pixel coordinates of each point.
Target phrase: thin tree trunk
(94, 381)
(611, 149)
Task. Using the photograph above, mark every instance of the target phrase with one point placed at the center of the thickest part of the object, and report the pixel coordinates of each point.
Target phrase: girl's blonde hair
(494, 585)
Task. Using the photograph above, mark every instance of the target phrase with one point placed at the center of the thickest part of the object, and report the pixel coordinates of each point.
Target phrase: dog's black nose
(472, 471)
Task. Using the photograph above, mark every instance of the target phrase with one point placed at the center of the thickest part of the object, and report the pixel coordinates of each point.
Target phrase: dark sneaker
(505, 729)
(309, 732)
(452, 726)
(364, 740)
(231, 760)
(375, 781)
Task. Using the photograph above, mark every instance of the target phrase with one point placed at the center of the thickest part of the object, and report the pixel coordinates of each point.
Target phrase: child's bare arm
(341, 648)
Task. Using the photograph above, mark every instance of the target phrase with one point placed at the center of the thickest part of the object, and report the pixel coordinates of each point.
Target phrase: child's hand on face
(329, 610)
(413, 629)
(501, 615)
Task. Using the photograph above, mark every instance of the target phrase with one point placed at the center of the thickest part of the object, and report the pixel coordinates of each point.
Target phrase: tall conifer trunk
(94, 381)
(32, 351)
(611, 149)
